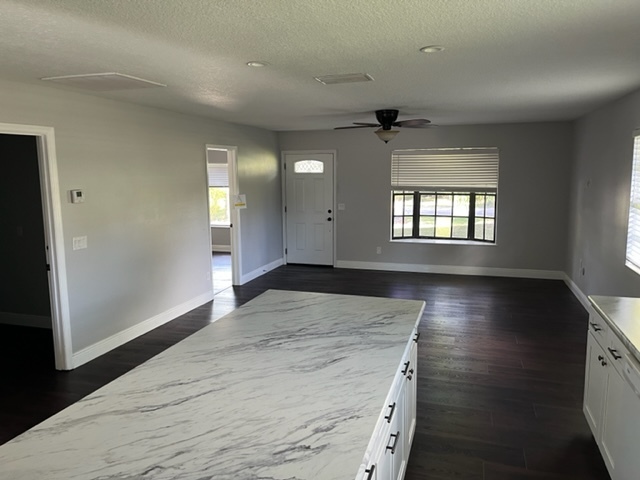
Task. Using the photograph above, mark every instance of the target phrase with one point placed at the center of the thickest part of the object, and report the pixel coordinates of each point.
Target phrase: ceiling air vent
(346, 78)
(104, 82)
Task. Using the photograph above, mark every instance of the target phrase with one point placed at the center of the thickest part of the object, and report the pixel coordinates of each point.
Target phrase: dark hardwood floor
(501, 370)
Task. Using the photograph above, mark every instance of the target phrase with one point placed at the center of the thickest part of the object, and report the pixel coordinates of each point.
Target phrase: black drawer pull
(415, 339)
(395, 437)
(603, 363)
(370, 472)
(406, 368)
(596, 327)
(390, 416)
(614, 353)
(600, 357)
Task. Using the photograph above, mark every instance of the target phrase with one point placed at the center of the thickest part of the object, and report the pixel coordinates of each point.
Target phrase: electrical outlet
(378, 250)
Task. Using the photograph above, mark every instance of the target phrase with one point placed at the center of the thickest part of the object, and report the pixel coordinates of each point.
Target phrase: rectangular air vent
(103, 82)
(346, 78)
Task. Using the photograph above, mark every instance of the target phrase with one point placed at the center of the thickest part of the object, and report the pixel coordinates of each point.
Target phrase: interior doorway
(32, 243)
(25, 311)
(224, 220)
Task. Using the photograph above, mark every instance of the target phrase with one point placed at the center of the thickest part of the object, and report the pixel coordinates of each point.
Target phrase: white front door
(309, 209)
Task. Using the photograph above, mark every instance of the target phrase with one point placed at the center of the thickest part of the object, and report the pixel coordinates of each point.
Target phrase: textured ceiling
(505, 60)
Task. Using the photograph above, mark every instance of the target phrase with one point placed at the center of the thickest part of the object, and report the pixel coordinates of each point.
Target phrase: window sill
(218, 225)
(443, 242)
(632, 266)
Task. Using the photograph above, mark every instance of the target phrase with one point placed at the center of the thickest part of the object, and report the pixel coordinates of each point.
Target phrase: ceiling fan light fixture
(386, 135)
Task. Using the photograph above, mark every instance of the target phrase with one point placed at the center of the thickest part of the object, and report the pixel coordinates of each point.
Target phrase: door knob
(329, 219)
(329, 211)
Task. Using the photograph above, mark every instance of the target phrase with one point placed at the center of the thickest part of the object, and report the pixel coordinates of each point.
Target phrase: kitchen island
(291, 385)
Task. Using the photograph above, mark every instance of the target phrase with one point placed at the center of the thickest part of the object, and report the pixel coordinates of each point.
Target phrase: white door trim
(283, 155)
(52, 213)
(234, 213)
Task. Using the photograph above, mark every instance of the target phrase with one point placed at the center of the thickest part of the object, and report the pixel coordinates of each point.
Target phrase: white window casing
(633, 232)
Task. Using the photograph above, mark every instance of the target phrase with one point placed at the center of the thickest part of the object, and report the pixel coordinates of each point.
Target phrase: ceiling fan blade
(356, 126)
(421, 125)
(367, 124)
(415, 123)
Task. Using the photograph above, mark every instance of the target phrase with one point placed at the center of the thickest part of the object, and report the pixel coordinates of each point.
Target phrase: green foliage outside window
(219, 205)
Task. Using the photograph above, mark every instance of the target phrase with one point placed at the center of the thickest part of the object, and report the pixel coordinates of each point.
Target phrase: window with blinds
(219, 213)
(445, 194)
(633, 232)
(448, 169)
(218, 174)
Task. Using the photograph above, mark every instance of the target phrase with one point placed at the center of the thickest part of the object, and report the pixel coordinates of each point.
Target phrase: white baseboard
(577, 292)
(100, 348)
(261, 271)
(221, 248)
(25, 320)
(454, 270)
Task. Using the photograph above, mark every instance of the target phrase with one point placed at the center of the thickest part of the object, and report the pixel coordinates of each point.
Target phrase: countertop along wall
(601, 184)
(535, 163)
(145, 215)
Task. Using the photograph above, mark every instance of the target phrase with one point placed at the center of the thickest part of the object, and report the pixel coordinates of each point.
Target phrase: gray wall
(23, 275)
(600, 189)
(145, 214)
(220, 237)
(535, 164)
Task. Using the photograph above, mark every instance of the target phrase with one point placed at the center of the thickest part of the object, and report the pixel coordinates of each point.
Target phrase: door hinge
(284, 165)
(286, 250)
(285, 209)
(48, 267)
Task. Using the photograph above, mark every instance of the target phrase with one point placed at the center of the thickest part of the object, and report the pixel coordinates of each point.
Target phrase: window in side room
(633, 226)
(218, 194)
(444, 195)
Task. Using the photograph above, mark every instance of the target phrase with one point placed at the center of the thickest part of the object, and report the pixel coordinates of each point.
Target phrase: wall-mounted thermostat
(77, 196)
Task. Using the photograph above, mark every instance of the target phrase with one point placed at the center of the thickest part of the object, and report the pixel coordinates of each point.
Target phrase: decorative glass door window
(308, 166)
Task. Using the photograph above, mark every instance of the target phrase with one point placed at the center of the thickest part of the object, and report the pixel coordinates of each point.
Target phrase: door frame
(283, 155)
(234, 213)
(54, 238)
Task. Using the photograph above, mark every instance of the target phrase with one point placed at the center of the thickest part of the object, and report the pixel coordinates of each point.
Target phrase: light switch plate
(79, 243)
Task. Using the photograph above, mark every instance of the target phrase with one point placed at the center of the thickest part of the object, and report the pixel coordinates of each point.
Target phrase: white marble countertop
(288, 386)
(623, 315)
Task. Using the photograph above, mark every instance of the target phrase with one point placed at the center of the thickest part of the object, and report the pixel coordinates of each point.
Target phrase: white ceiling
(505, 60)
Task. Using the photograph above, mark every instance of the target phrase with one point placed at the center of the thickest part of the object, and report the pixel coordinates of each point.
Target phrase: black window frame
(415, 215)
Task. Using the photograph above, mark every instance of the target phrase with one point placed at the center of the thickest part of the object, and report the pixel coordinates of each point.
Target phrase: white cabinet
(394, 432)
(411, 380)
(611, 406)
(392, 461)
(594, 384)
(611, 417)
(628, 461)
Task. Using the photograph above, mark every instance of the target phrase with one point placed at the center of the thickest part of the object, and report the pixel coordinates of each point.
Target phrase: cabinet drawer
(616, 351)
(599, 328)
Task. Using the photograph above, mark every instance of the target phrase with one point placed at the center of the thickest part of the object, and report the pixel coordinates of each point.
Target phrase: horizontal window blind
(218, 174)
(633, 233)
(455, 168)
